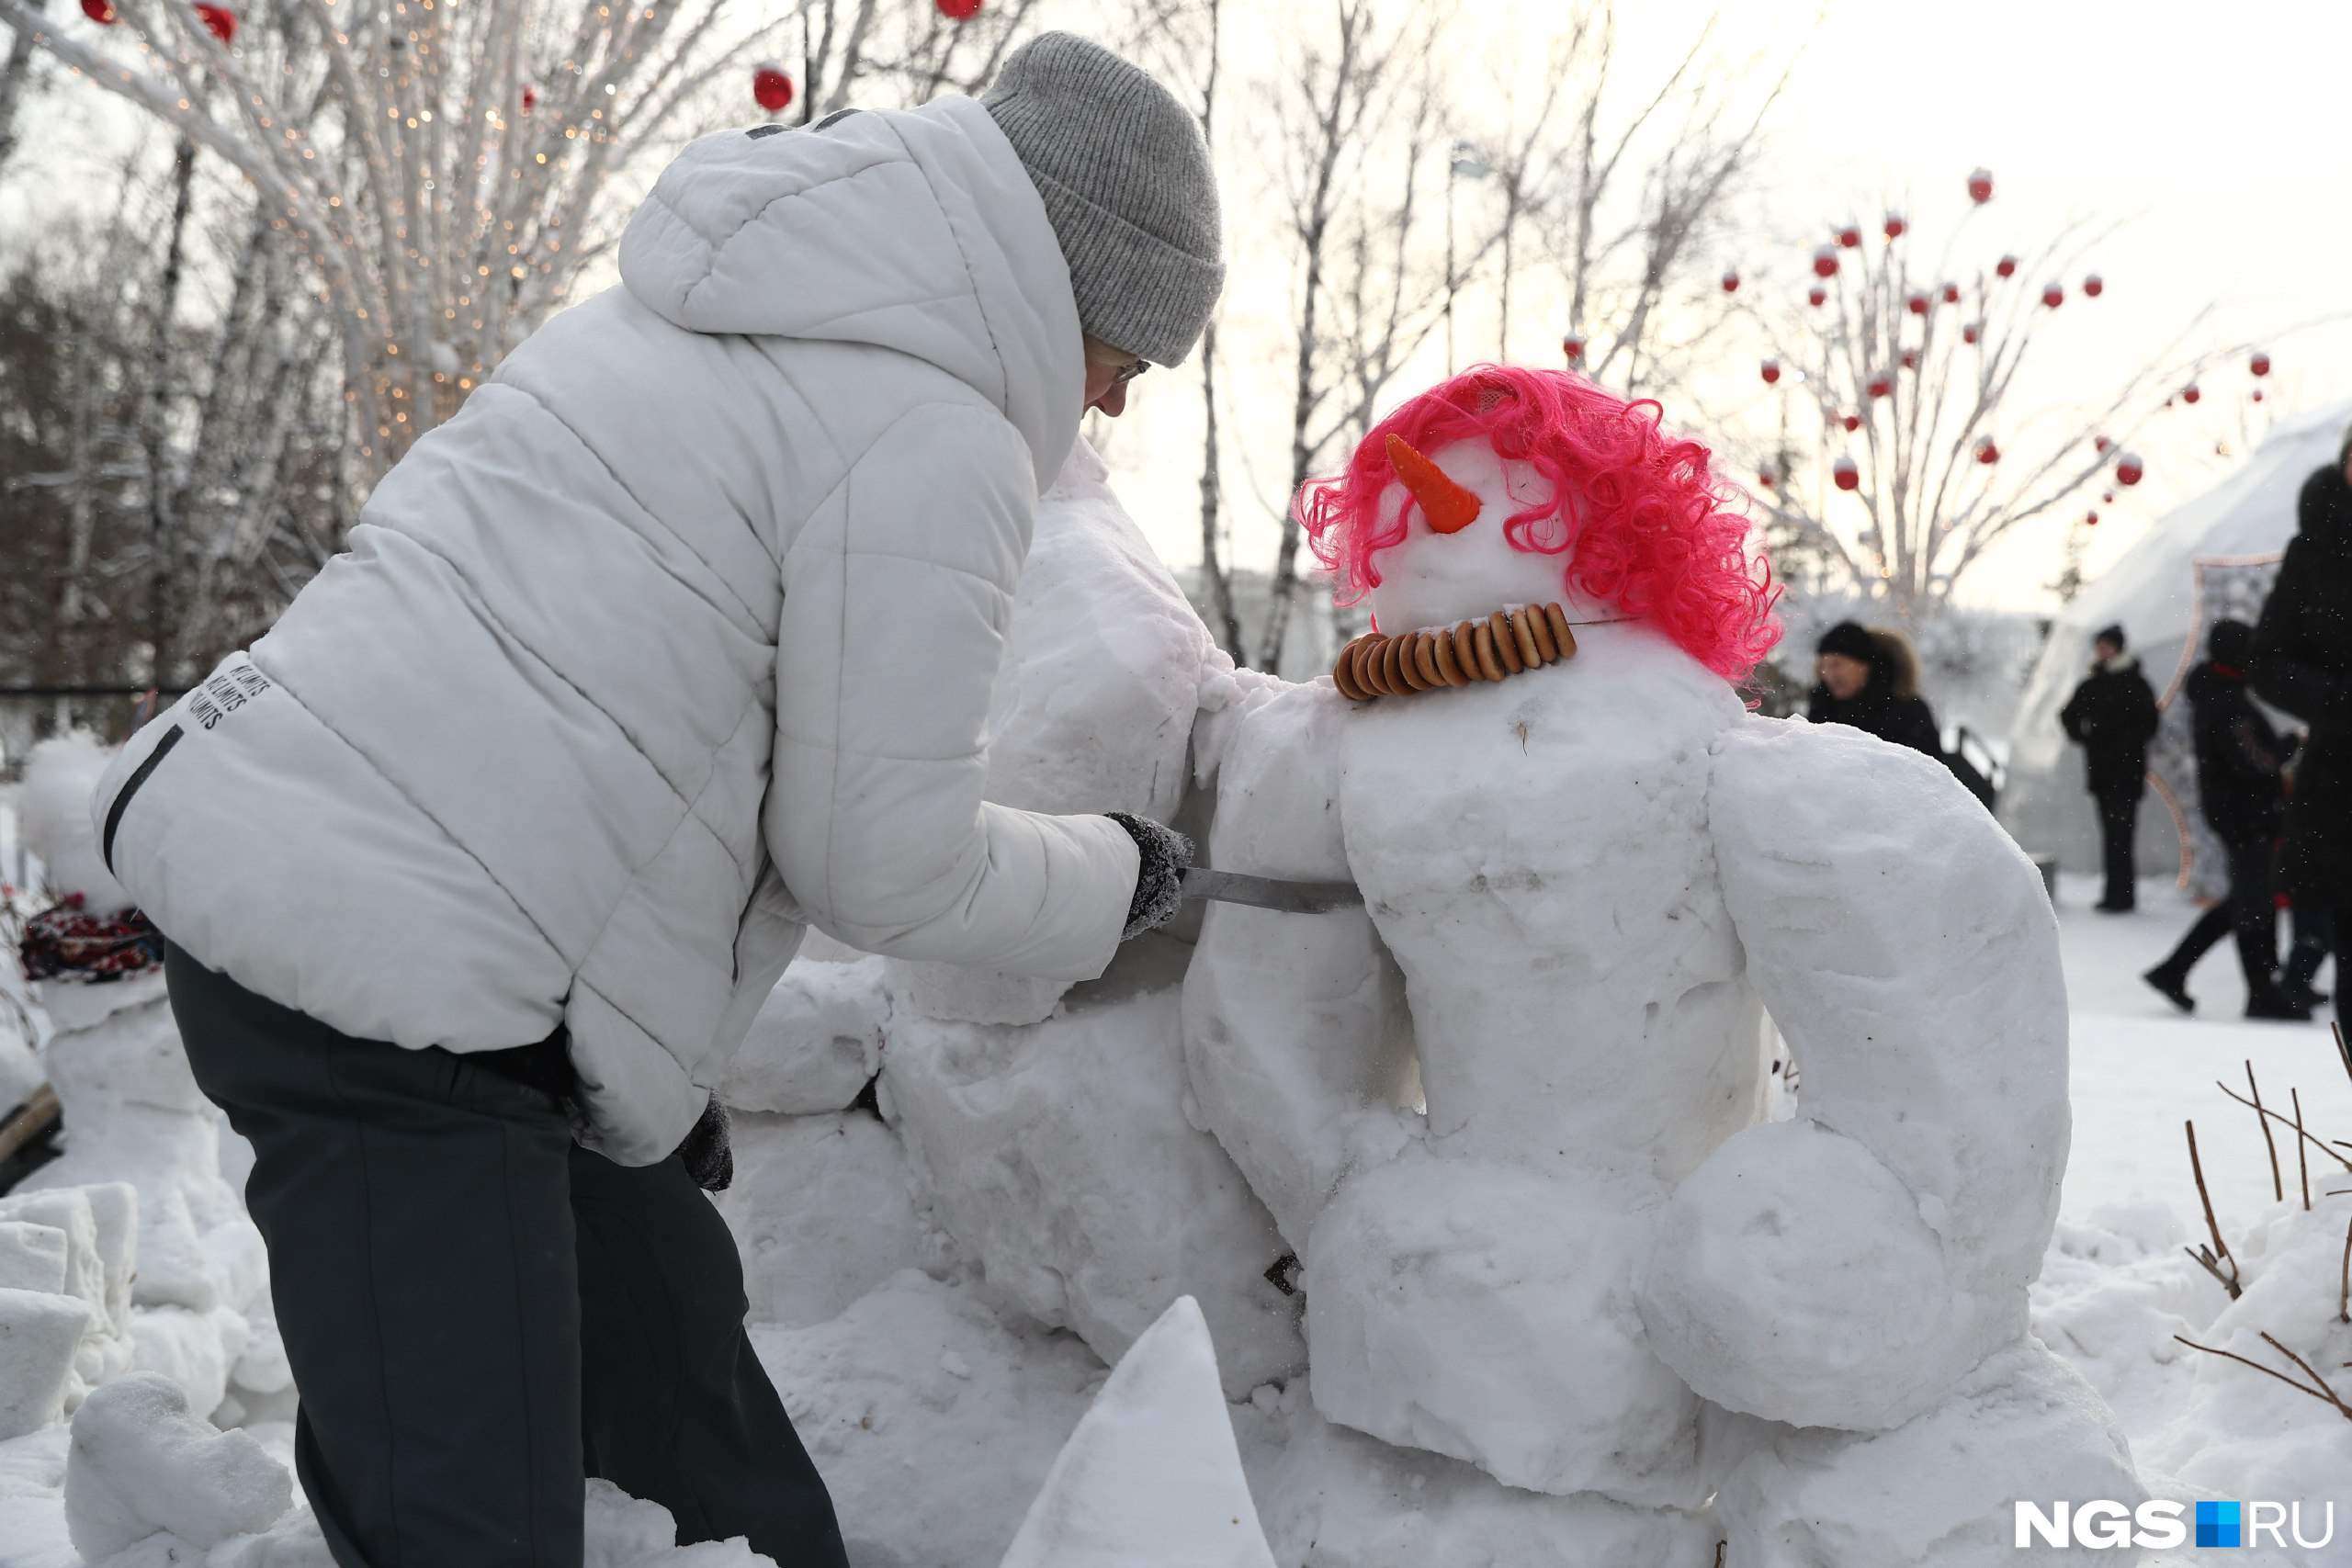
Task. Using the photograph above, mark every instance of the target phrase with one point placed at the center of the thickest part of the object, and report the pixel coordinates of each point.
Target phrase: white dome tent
(2207, 559)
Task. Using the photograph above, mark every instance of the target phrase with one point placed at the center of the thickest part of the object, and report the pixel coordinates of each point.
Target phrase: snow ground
(2141, 1068)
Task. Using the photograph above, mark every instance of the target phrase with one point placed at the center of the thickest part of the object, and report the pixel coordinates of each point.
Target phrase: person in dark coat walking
(2303, 664)
(2240, 758)
(1871, 680)
(2112, 717)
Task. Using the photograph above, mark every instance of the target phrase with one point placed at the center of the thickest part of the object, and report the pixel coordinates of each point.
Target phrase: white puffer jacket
(681, 633)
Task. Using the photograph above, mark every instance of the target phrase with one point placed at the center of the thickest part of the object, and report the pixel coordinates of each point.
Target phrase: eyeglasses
(1126, 372)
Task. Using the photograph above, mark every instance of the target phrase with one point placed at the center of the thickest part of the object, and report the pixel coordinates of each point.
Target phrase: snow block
(1486, 1312)
(1333, 1498)
(1940, 1490)
(823, 1210)
(1152, 1474)
(815, 1043)
(39, 1332)
(140, 1464)
(97, 1277)
(1060, 1155)
(32, 1257)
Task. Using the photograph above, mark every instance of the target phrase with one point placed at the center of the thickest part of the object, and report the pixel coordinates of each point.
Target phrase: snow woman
(1511, 1111)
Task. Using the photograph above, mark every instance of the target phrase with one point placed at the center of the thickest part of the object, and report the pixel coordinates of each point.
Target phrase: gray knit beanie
(1126, 178)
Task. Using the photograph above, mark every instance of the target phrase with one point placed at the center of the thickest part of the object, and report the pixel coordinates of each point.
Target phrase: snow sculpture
(1591, 1267)
(141, 1464)
(1152, 1473)
(1048, 1121)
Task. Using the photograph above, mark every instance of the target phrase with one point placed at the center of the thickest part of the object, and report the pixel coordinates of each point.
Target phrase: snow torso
(1535, 856)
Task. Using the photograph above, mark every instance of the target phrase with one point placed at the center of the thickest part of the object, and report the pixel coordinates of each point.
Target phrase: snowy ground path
(2141, 1068)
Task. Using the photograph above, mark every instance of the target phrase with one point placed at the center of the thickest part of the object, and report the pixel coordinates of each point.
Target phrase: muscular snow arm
(1286, 1015)
(1843, 1270)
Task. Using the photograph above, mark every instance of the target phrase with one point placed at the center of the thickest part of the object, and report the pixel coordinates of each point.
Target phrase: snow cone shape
(1512, 1109)
(140, 1464)
(1151, 1478)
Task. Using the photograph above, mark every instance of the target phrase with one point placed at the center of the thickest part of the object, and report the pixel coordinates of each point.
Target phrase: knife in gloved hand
(1270, 892)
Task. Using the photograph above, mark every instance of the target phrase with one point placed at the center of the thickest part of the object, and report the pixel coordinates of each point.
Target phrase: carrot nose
(1448, 506)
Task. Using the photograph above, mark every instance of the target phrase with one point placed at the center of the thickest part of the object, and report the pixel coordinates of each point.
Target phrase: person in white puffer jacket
(678, 637)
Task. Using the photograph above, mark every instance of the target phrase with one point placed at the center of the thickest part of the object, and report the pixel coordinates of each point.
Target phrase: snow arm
(1288, 1018)
(1844, 1269)
(896, 598)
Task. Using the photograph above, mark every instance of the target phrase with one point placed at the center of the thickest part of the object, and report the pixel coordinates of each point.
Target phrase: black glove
(708, 1154)
(1160, 888)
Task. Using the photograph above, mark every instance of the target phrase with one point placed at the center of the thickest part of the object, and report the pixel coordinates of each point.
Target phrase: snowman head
(1507, 486)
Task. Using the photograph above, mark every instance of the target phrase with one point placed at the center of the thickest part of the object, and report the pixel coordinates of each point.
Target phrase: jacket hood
(916, 232)
(2324, 511)
(2124, 663)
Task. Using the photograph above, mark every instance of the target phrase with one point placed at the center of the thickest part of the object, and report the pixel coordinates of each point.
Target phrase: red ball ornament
(2090, 519)
(2257, 394)
(1910, 359)
(1772, 369)
(1825, 261)
(1851, 421)
(2006, 266)
(1952, 293)
(2101, 443)
(2106, 497)
(1971, 332)
(2259, 364)
(1918, 302)
(1572, 347)
(1980, 185)
(100, 12)
(530, 97)
(771, 89)
(1815, 295)
(2094, 285)
(220, 21)
(1881, 383)
(1986, 452)
(1850, 236)
(2053, 294)
(1764, 477)
(1894, 225)
(2127, 468)
(959, 10)
(1731, 280)
(2190, 393)
(1845, 474)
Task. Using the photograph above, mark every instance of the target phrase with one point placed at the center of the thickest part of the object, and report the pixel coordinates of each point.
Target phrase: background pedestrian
(2112, 717)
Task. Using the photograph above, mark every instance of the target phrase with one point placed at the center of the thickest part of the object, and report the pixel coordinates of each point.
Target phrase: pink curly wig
(1652, 531)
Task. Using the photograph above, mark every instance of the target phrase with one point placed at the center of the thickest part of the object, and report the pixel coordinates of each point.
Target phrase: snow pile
(140, 1464)
(53, 815)
(1152, 1468)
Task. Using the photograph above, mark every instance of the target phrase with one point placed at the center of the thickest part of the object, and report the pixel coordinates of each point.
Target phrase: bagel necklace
(1502, 645)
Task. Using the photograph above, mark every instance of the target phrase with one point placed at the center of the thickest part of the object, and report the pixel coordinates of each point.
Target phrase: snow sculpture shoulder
(1590, 1264)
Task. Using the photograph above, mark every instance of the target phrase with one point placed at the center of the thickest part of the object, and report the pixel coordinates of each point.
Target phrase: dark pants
(2119, 821)
(2251, 911)
(480, 1313)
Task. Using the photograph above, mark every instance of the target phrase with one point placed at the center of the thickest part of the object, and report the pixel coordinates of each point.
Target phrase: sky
(2217, 138)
